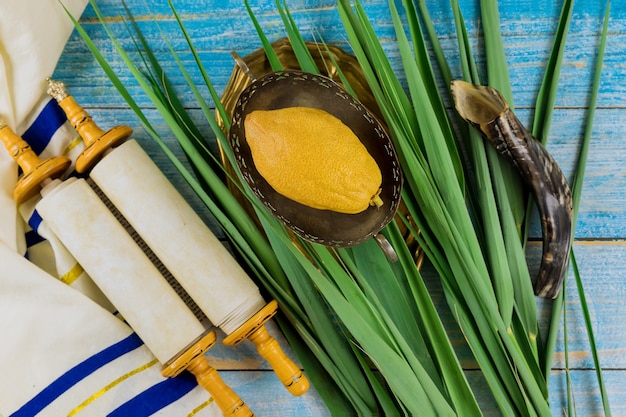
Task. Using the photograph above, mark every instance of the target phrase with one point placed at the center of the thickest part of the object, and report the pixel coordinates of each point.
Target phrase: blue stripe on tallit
(33, 238)
(35, 220)
(49, 120)
(156, 397)
(77, 374)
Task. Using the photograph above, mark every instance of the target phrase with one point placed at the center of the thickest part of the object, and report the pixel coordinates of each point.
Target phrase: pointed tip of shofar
(475, 103)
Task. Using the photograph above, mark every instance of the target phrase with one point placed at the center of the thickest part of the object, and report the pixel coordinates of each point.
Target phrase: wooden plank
(266, 396)
(527, 41)
(256, 387)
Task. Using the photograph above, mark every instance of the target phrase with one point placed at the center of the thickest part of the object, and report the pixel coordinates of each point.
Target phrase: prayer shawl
(62, 351)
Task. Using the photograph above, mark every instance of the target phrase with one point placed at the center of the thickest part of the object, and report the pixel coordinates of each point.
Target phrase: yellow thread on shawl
(200, 407)
(72, 145)
(72, 275)
(101, 392)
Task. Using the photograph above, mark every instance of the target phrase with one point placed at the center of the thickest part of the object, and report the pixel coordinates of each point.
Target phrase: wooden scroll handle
(194, 361)
(35, 170)
(97, 141)
(254, 329)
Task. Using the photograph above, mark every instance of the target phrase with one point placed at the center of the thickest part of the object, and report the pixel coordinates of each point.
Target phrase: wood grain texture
(220, 26)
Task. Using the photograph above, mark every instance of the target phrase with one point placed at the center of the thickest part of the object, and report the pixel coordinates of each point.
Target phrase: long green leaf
(483, 190)
(498, 77)
(545, 102)
(305, 60)
(546, 97)
(267, 46)
(576, 196)
(441, 347)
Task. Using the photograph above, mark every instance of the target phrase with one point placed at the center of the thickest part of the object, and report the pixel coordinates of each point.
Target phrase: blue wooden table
(221, 26)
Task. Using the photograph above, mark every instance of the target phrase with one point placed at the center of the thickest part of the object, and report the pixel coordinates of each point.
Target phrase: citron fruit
(312, 157)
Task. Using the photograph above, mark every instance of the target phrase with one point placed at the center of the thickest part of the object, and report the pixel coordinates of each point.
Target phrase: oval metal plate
(291, 88)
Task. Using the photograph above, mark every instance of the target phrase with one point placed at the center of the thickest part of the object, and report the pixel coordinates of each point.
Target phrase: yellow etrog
(312, 157)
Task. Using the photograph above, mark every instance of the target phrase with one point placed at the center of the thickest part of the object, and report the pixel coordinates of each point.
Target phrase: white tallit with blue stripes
(62, 352)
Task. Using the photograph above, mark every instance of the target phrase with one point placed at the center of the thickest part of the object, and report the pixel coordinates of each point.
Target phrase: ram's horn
(486, 110)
